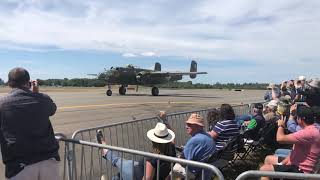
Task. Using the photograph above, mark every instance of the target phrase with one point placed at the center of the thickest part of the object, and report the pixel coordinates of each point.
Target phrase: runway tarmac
(89, 107)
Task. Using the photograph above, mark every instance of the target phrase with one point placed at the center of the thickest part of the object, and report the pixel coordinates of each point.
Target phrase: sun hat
(161, 134)
(272, 103)
(315, 83)
(302, 78)
(271, 86)
(195, 119)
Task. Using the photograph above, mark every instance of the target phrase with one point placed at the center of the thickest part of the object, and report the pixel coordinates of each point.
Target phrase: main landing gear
(122, 90)
(109, 92)
(155, 91)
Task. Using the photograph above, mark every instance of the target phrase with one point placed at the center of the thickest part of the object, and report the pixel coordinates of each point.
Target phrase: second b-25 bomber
(130, 75)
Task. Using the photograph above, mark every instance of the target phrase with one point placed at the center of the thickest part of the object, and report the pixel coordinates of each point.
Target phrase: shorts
(286, 168)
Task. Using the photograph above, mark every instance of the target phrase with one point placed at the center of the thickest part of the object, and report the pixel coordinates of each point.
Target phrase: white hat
(271, 86)
(273, 103)
(161, 134)
(315, 83)
(302, 78)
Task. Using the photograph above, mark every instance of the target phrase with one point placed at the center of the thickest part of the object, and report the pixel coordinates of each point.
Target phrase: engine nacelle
(140, 77)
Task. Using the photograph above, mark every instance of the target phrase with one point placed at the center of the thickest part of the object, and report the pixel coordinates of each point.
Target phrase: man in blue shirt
(293, 126)
(200, 146)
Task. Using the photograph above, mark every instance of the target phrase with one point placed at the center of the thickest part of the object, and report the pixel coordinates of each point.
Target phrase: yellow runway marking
(119, 104)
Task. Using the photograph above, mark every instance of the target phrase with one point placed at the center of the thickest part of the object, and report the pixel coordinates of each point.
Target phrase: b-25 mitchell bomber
(130, 75)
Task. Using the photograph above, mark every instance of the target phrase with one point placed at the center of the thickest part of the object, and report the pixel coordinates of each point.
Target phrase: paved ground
(81, 108)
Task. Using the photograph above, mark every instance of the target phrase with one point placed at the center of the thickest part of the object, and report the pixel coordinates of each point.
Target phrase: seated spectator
(226, 128)
(283, 89)
(256, 122)
(213, 117)
(223, 132)
(306, 150)
(300, 88)
(273, 93)
(312, 93)
(292, 124)
(270, 114)
(161, 138)
(200, 147)
(291, 89)
(316, 111)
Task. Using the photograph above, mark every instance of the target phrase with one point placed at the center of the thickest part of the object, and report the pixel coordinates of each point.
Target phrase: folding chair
(225, 156)
(252, 145)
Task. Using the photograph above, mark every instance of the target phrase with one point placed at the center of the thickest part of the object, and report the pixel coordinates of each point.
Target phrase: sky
(234, 41)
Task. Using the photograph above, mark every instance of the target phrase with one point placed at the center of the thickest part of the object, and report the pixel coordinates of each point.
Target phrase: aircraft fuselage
(137, 76)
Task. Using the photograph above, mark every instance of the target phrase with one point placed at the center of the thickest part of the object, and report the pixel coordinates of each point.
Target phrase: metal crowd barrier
(64, 152)
(132, 134)
(98, 167)
(278, 175)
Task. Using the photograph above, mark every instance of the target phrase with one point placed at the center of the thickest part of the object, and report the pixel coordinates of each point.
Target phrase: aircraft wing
(93, 74)
(174, 73)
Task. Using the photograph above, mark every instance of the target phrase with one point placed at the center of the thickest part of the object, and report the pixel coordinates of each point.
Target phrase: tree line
(86, 82)
(217, 85)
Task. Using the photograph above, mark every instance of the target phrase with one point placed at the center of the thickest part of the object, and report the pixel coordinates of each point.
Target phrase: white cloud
(268, 32)
(129, 55)
(148, 54)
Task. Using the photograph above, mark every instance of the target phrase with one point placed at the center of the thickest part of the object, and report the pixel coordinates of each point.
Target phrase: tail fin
(193, 68)
(157, 66)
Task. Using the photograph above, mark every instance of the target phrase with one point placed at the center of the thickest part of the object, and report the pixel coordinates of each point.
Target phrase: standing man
(28, 145)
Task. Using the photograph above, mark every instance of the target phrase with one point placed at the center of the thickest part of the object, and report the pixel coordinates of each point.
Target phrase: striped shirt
(225, 129)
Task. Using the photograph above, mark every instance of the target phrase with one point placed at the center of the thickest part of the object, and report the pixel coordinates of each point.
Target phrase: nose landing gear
(109, 91)
(155, 91)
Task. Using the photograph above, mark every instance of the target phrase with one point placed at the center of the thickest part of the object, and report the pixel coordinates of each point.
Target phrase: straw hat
(161, 134)
(195, 119)
(271, 86)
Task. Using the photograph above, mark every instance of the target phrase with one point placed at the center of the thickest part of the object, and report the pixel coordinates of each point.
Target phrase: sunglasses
(188, 124)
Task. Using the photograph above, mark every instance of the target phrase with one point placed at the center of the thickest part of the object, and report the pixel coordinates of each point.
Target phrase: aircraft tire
(122, 90)
(155, 91)
(109, 92)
